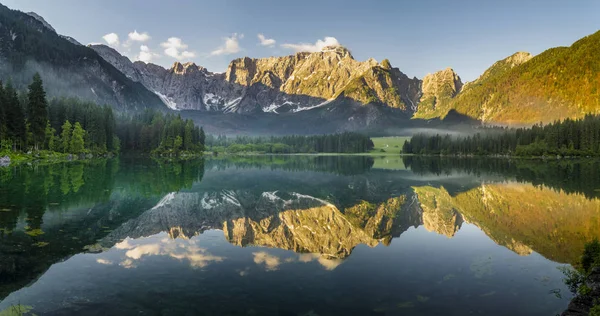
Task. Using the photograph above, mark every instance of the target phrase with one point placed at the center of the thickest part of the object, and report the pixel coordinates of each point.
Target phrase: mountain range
(322, 91)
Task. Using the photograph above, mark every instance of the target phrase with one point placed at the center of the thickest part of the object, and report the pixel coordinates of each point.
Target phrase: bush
(591, 256)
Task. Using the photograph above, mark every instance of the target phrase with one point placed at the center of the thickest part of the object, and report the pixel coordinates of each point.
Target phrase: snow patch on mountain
(167, 101)
(314, 106)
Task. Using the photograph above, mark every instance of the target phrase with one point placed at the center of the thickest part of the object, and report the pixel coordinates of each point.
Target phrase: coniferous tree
(15, 119)
(49, 137)
(37, 110)
(201, 138)
(187, 135)
(77, 139)
(65, 136)
(3, 127)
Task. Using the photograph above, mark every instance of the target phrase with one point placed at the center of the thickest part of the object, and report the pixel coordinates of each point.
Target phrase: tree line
(29, 122)
(347, 142)
(570, 137)
(154, 131)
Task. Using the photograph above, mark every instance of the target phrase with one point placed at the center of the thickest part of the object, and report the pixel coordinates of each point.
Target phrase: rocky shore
(582, 303)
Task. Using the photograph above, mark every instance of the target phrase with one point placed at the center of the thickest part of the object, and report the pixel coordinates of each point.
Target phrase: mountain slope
(277, 84)
(437, 90)
(558, 83)
(28, 45)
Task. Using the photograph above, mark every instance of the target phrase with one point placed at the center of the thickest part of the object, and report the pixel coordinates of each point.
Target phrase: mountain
(28, 44)
(291, 83)
(273, 95)
(561, 82)
(437, 90)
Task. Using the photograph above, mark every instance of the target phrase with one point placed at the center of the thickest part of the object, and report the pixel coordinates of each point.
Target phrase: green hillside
(558, 83)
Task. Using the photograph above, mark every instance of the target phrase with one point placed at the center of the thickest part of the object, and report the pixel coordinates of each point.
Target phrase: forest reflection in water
(135, 214)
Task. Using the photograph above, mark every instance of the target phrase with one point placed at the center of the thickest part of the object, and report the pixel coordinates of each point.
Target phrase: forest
(570, 137)
(29, 122)
(347, 142)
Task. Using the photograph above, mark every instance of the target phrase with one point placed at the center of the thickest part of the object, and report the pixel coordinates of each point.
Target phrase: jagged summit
(338, 49)
(181, 68)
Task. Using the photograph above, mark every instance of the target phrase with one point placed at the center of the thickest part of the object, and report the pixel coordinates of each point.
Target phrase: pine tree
(3, 127)
(202, 138)
(65, 136)
(187, 135)
(15, 119)
(49, 137)
(38, 110)
(77, 139)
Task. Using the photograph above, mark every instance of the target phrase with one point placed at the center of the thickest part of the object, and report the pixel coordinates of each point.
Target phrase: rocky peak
(518, 58)
(185, 68)
(444, 83)
(339, 50)
(437, 90)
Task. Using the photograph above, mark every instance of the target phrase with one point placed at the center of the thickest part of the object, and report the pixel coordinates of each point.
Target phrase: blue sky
(418, 37)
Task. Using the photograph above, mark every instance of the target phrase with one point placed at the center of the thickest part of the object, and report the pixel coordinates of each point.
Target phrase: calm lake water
(294, 236)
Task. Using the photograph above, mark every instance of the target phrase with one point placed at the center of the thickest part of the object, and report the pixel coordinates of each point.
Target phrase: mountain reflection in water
(294, 235)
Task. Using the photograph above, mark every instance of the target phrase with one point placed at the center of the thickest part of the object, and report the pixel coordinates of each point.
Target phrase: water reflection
(454, 236)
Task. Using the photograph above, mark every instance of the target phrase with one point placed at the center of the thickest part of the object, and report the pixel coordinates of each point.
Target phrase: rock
(581, 304)
(275, 84)
(4, 161)
(438, 89)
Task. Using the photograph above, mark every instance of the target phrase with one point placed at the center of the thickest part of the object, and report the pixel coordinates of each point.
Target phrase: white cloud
(176, 48)
(146, 55)
(271, 262)
(112, 39)
(104, 261)
(183, 250)
(316, 47)
(231, 45)
(138, 37)
(265, 41)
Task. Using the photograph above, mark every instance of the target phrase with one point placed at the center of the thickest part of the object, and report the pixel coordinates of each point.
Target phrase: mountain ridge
(274, 84)
(519, 89)
(30, 45)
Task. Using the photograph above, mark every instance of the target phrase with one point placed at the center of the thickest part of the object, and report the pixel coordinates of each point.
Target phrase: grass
(391, 144)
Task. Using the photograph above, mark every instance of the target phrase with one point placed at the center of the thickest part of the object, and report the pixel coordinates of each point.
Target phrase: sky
(419, 37)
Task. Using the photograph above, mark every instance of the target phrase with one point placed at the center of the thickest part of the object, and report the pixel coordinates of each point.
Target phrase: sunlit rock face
(274, 85)
(437, 90)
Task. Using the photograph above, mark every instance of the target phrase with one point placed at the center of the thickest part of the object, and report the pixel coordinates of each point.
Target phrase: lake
(294, 235)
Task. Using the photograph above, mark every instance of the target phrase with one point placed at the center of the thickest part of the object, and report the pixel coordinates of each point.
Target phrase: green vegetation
(579, 137)
(391, 144)
(581, 280)
(155, 132)
(54, 130)
(558, 83)
(46, 130)
(333, 143)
